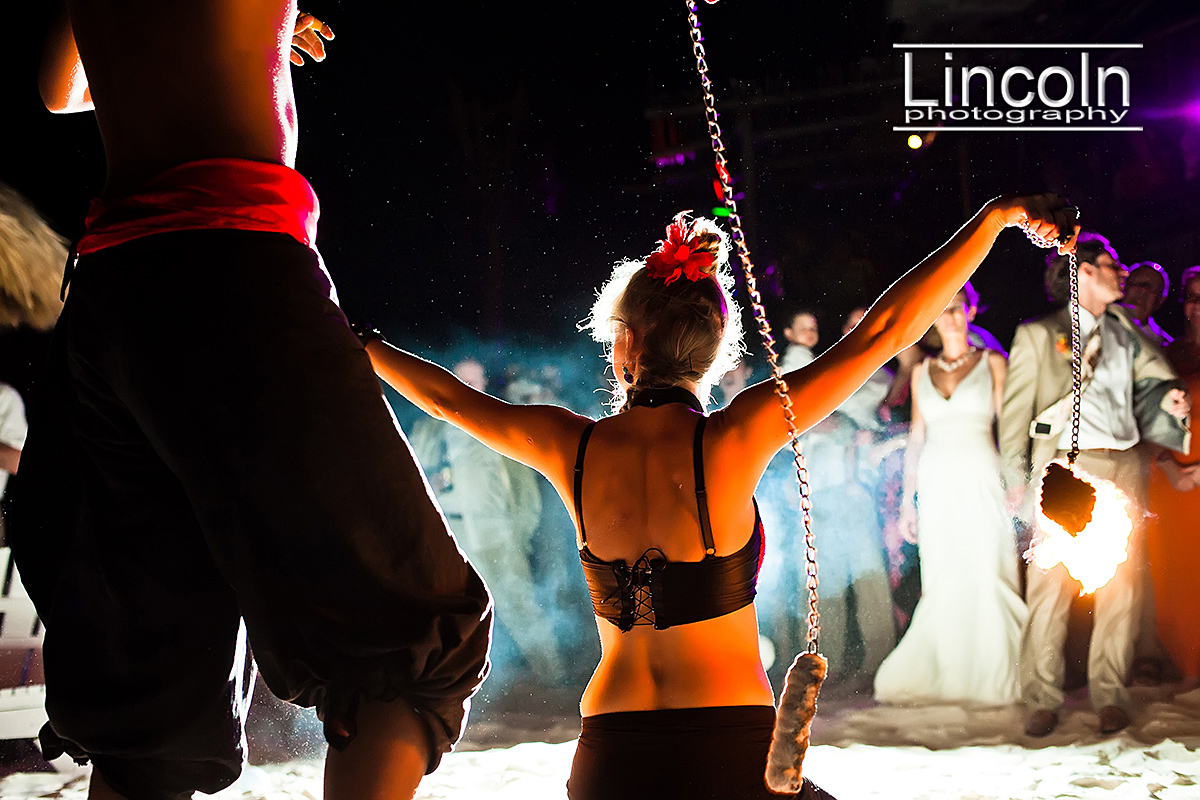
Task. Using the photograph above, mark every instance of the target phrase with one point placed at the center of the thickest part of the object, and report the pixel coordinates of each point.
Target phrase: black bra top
(662, 593)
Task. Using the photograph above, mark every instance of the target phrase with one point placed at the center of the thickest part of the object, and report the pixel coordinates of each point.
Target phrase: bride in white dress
(962, 644)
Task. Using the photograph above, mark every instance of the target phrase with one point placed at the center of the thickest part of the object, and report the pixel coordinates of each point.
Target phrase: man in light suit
(1130, 395)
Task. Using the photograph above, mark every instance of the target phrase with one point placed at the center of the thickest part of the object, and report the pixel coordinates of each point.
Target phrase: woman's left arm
(539, 436)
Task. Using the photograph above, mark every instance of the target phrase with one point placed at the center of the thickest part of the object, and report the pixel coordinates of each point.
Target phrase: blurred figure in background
(1172, 544)
(1146, 289)
(12, 436)
(963, 641)
(32, 256)
(493, 505)
(802, 335)
(856, 601)
(732, 382)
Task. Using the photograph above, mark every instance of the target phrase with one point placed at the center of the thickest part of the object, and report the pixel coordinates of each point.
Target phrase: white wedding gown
(962, 644)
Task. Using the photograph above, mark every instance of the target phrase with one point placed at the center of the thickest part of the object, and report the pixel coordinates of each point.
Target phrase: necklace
(950, 366)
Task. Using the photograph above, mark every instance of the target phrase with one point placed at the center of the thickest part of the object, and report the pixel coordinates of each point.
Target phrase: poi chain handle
(1076, 360)
(1076, 343)
(764, 326)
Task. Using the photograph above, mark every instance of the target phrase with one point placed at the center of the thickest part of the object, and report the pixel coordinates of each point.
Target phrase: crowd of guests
(988, 630)
(922, 515)
(239, 486)
(923, 483)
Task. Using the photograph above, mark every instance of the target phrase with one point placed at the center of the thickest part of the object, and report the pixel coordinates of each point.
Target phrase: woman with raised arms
(663, 496)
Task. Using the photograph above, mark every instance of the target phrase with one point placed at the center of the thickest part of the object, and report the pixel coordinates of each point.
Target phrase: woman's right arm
(753, 426)
(539, 436)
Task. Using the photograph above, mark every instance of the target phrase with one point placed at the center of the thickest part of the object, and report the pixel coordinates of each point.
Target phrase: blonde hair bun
(687, 329)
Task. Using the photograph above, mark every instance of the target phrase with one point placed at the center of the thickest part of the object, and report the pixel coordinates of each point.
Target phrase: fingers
(309, 42)
(308, 38)
(1041, 211)
(323, 29)
(308, 22)
(1048, 220)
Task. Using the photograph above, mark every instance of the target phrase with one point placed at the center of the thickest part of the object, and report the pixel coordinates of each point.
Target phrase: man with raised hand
(1130, 394)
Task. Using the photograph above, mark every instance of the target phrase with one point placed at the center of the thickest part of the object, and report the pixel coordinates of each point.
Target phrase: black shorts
(717, 753)
(210, 445)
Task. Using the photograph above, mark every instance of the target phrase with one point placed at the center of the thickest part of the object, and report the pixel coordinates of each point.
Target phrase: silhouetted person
(210, 455)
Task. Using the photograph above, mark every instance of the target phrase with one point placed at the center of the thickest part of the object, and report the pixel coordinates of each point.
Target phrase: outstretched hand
(1047, 217)
(307, 38)
(1178, 403)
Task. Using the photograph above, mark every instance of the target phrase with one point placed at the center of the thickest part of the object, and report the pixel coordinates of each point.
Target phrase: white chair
(22, 707)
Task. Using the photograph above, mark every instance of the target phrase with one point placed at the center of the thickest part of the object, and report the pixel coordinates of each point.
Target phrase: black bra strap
(710, 548)
(583, 441)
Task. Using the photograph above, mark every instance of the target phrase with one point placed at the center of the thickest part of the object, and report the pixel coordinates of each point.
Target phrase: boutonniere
(1063, 345)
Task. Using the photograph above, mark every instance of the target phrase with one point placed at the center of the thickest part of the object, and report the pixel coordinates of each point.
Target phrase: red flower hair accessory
(676, 255)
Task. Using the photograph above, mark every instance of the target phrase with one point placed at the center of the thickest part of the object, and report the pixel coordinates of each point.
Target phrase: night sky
(481, 166)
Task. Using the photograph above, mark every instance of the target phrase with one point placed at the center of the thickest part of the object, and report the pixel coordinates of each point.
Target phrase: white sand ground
(928, 753)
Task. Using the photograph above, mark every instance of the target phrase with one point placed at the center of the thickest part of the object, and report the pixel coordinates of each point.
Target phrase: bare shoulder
(542, 427)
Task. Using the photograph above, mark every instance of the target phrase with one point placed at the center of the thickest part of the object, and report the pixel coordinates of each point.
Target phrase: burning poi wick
(1093, 549)
(1067, 498)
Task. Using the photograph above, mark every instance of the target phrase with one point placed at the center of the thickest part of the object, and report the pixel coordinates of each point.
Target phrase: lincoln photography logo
(1016, 87)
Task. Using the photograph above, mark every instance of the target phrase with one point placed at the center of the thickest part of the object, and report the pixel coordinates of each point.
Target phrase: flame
(1093, 556)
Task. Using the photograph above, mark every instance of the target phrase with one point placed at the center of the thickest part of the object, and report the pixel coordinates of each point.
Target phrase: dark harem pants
(210, 446)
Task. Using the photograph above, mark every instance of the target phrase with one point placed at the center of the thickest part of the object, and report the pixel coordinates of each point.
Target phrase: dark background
(482, 166)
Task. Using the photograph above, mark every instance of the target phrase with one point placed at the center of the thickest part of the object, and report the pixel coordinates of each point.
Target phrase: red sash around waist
(214, 193)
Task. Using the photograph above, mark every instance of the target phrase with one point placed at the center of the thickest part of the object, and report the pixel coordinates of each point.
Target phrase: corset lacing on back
(653, 590)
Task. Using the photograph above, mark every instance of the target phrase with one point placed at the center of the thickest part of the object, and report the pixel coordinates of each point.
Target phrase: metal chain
(764, 325)
(1076, 361)
(1076, 338)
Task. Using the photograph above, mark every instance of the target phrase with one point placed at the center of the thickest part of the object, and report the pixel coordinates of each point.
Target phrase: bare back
(639, 493)
(178, 81)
